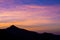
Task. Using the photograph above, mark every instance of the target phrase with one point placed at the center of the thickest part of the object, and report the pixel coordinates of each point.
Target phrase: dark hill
(14, 33)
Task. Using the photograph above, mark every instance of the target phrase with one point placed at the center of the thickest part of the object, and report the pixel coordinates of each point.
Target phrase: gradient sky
(35, 15)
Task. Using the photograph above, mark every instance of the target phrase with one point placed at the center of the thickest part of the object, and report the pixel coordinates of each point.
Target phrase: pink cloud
(30, 12)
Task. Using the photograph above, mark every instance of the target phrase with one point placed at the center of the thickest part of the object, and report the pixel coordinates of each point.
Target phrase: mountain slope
(14, 33)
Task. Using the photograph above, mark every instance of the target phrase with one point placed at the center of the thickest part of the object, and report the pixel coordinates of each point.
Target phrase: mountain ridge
(15, 33)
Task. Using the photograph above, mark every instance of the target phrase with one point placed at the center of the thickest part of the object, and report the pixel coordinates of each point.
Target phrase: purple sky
(40, 15)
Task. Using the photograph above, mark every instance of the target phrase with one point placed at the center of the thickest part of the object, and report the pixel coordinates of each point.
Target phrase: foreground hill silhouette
(14, 33)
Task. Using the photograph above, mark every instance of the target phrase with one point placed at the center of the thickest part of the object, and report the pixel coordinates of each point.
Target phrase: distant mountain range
(14, 33)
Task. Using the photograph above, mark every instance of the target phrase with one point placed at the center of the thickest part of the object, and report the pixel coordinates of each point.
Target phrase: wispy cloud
(30, 12)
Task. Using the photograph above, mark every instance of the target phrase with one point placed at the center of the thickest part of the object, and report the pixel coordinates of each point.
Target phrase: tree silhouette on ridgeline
(14, 33)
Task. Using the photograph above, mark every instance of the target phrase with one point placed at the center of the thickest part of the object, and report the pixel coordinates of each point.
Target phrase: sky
(35, 15)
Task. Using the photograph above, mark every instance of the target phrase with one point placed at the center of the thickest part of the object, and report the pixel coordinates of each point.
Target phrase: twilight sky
(35, 15)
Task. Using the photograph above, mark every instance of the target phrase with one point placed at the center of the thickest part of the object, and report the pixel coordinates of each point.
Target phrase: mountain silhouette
(14, 33)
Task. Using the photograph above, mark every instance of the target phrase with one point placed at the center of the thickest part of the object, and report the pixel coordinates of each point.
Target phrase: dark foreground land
(14, 33)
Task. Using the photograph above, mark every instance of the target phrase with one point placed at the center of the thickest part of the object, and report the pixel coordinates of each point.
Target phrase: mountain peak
(13, 27)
